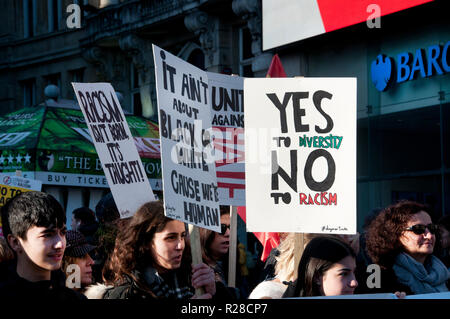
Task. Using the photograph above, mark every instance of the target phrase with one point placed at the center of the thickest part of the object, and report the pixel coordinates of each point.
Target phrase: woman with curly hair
(149, 261)
(401, 240)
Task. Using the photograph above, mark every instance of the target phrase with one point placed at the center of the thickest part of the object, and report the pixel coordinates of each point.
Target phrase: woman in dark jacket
(215, 253)
(401, 240)
(149, 261)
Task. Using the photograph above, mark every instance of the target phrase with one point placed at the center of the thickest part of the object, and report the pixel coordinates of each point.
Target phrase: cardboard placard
(115, 146)
(300, 146)
(187, 154)
(227, 107)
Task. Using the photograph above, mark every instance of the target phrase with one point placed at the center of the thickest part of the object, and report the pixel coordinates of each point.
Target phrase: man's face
(45, 246)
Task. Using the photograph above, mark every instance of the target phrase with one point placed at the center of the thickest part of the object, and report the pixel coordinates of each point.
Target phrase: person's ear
(15, 243)
(403, 239)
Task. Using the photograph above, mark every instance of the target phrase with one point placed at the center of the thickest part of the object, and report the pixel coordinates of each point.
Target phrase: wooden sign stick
(196, 251)
(232, 248)
(299, 246)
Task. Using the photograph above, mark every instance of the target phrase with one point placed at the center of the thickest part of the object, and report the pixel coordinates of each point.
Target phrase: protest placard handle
(299, 246)
(196, 251)
(232, 248)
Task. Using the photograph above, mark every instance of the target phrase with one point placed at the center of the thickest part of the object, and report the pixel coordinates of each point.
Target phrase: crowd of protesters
(148, 256)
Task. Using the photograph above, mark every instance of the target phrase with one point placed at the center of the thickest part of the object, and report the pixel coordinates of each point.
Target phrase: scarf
(166, 286)
(425, 278)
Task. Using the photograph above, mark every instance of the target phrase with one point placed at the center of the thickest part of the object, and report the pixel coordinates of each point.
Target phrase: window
(54, 79)
(75, 76)
(245, 53)
(136, 104)
(197, 58)
(29, 18)
(54, 14)
(401, 155)
(28, 92)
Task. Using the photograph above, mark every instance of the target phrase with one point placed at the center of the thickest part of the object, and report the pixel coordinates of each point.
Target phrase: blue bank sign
(406, 66)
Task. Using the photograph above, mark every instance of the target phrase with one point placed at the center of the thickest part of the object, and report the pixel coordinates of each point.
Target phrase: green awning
(52, 144)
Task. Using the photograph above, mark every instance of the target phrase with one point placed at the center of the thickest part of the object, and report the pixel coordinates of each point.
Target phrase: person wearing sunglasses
(401, 241)
(215, 247)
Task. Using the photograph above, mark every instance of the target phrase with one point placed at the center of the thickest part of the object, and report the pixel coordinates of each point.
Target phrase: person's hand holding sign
(203, 277)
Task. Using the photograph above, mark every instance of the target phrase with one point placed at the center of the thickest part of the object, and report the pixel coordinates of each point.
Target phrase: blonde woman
(288, 261)
(285, 268)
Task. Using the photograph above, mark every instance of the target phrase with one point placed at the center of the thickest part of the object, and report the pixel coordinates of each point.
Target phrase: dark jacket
(388, 283)
(268, 272)
(12, 286)
(174, 285)
(222, 278)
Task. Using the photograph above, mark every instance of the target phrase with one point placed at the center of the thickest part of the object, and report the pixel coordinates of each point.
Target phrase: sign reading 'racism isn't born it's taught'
(115, 146)
(300, 146)
(188, 169)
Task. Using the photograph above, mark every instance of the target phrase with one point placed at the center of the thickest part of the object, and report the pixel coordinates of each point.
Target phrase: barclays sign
(406, 66)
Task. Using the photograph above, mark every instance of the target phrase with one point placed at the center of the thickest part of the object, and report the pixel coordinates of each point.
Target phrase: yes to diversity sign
(300, 146)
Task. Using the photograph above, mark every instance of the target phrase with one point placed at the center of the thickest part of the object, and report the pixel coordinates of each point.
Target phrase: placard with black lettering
(115, 146)
(227, 106)
(187, 152)
(300, 146)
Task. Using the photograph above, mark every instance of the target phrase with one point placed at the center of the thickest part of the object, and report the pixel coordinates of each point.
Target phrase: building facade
(41, 43)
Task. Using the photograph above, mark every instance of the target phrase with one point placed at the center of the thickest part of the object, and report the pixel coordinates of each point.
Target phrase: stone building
(42, 44)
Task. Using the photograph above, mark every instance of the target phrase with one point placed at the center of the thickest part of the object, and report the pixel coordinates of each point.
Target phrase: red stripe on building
(341, 14)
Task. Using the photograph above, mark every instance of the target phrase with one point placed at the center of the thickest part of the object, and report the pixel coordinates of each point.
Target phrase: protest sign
(11, 186)
(227, 107)
(115, 146)
(300, 146)
(187, 154)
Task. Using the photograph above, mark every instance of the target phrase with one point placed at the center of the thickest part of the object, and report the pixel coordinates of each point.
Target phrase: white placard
(187, 154)
(115, 146)
(227, 105)
(300, 146)
(19, 181)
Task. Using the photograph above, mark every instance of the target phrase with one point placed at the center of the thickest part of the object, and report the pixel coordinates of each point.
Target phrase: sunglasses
(419, 229)
(223, 229)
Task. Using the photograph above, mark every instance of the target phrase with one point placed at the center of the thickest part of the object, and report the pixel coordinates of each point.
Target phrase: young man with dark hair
(34, 225)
